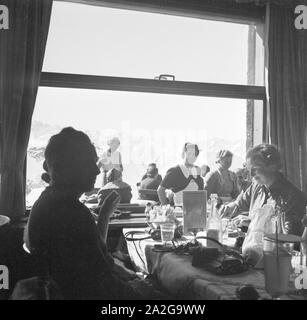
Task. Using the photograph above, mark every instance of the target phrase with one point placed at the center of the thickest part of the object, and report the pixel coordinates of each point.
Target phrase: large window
(102, 48)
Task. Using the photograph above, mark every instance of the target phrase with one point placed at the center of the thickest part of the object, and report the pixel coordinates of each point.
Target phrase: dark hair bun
(268, 153)
(45, 177)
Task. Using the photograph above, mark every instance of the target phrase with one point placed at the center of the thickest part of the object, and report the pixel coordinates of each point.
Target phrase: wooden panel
(65, 80)
(223, 10)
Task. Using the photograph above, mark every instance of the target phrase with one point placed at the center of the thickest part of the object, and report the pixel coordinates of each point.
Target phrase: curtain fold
(22, 49)
(287, 83)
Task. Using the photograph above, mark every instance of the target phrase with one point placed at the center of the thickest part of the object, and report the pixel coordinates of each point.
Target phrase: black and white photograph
(153, 153)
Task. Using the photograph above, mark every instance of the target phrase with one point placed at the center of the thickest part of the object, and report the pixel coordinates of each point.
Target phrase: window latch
(165, 77)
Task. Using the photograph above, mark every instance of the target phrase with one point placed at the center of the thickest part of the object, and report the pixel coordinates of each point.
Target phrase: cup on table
(277, 267)
(167, 232)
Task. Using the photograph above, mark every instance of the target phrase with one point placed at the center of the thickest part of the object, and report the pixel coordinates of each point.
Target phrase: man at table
(183, 177)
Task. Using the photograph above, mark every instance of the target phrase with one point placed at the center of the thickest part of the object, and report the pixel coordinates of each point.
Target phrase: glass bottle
(277, 265)
(214, 224)
(148, 208)
(304, 241)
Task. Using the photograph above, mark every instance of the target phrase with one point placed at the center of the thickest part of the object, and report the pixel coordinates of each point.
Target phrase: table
(136, 220)
(136, 217)
(177, 275)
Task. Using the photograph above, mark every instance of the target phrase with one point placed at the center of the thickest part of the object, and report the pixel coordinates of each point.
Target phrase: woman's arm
(229, 210)
(108, 206)
(162, 195)
(120, 162)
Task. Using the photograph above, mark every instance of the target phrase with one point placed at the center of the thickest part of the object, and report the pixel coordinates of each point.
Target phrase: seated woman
(222, 181)
(115, 182)
(269, 186)
(150, 181)
(62, 232)
(185, 176)
(242, 179)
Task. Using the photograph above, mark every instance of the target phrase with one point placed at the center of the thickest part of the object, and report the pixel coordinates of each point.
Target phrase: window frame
(225, 11)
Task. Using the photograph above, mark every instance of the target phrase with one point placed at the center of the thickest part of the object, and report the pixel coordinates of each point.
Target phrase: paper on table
(194, 211)
(253, 242)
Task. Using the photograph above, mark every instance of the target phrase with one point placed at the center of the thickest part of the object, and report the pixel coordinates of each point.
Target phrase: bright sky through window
(96, 40)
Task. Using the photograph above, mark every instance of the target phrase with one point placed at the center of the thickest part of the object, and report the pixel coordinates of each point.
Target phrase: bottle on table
(214, 223)
(304, 241)
(303, 261)
(148, 208)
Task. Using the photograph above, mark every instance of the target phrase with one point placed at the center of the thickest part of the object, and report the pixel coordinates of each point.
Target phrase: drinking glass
(167, 232)
(277, 267)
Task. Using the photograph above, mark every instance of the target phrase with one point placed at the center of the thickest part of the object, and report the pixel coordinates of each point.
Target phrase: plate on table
(119, 214)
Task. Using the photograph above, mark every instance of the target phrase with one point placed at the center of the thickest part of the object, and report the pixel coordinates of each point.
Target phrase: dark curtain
(22, 49)
(287, 83)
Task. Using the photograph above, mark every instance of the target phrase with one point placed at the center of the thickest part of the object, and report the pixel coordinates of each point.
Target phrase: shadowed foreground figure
(63, 233)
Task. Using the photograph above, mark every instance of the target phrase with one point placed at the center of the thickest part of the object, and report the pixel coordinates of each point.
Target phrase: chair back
(149, 194)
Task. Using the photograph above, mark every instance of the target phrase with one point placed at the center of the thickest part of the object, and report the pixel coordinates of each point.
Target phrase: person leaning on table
(269, 185)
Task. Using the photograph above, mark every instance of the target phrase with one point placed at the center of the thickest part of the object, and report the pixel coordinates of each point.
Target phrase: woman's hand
(109, 204)
(241, 220)
(228, 210)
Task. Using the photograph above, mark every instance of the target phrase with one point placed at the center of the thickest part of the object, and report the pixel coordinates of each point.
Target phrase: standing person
(222, 181)
(110, 159)
(185, 176)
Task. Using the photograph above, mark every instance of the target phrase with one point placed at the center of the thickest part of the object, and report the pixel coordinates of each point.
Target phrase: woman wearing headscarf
(222, 181)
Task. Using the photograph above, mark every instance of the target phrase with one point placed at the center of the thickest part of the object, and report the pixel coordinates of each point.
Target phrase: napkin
(253, 243)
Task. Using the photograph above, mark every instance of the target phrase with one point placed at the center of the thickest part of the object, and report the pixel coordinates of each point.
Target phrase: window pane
(151, 127)
(95, 40)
